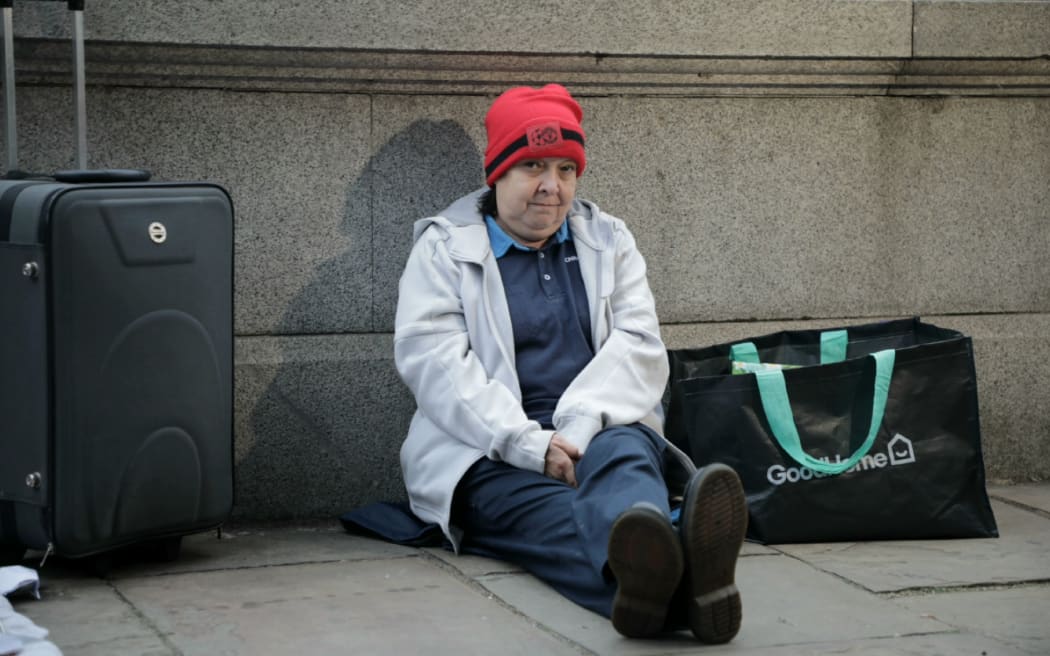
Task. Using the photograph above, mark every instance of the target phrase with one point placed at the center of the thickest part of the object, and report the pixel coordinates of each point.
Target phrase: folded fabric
(19, 635)
(15, 578)
(393, 522)
(739, 367)
(9, 645)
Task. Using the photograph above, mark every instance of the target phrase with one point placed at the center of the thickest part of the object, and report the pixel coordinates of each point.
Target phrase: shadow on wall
(326, 432)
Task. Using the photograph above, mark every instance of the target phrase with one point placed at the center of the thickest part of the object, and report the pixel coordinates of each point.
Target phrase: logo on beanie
(543, 136)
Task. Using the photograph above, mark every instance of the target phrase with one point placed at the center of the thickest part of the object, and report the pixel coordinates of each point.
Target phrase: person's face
(533, 198)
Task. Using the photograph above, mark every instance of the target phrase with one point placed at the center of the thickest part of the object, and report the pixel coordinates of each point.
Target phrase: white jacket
(454, 348)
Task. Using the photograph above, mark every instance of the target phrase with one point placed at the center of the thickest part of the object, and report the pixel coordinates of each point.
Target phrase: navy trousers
(557, 532)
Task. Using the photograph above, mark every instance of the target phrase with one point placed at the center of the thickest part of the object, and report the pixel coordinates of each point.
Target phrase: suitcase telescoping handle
(81, 173)
(10, 129)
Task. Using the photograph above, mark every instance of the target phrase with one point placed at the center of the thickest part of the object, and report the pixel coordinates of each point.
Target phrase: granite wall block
(429, 151)
(295, 165)
(319, 424)
(776, 208)
(797, 28)
(954, 28)
(824, 207)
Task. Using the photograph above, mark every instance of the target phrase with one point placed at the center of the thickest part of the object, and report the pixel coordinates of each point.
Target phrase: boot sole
(646, 558)
(714, 523)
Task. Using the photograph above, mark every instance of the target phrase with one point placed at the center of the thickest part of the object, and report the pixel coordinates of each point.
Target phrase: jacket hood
(463, 212)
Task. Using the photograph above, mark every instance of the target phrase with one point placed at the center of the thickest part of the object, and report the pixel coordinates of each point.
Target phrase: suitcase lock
(33, 480)
(157, 232)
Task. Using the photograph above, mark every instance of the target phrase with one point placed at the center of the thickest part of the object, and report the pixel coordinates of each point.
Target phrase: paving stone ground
(313, 589)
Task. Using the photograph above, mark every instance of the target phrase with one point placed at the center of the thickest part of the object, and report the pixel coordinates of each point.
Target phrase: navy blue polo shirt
(549, 314)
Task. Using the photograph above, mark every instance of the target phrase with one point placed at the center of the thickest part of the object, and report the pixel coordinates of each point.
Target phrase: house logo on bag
(900, 451)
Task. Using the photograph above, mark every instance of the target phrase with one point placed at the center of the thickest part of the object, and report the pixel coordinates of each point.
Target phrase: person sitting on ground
(527, 332)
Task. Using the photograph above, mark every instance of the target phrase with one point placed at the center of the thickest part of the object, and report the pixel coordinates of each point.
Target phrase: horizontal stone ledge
(389, 72)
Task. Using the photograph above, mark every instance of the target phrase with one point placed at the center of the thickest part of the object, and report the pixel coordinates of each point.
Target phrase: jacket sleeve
(625, 380)
(434, 356)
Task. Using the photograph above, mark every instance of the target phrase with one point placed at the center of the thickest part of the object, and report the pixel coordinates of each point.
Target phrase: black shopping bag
(870, 432)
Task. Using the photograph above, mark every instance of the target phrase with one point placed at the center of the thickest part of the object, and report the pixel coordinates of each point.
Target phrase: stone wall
(783, 163)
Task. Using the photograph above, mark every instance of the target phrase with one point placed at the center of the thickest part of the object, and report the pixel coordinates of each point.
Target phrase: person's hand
(561, 460)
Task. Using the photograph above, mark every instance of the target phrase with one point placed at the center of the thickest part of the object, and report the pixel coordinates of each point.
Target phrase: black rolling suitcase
(116, 353)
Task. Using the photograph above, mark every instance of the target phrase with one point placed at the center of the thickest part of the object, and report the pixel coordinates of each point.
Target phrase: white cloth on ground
(18, 634)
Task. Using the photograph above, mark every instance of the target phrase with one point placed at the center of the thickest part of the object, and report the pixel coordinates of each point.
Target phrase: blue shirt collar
(502, 242)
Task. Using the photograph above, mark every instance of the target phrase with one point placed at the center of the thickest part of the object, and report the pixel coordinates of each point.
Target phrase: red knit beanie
(525, 122)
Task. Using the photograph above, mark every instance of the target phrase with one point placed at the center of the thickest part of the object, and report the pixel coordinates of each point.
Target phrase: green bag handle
(744, 352)
(832, 348)
(777, 406)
